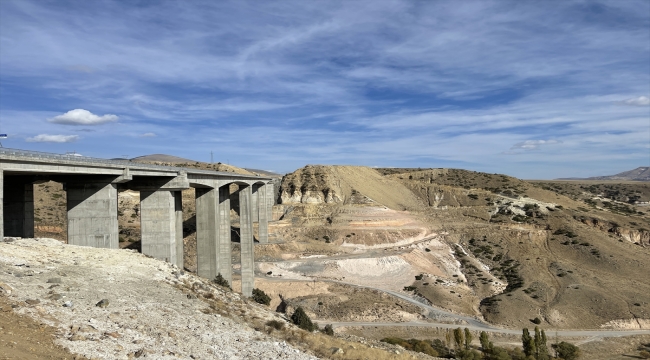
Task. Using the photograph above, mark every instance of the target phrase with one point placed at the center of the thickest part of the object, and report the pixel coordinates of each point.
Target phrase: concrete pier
(207, 232)
(262, 215)
(224, 253)
(246, 240)
(92, 213)
(18, 206)
(255, 201)
(158, 224)
(270, 200)
(178, 206)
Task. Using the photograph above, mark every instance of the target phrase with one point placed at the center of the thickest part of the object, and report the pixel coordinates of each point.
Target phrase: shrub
(536, 321)
(260, 297)
(328, 330)
(302, 320)
(277, 325)
(413, 345)
(219, 280)
(566, 351)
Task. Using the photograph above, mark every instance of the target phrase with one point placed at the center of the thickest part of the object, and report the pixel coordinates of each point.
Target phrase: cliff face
(311, 185)
(317, 184)
(640, 236)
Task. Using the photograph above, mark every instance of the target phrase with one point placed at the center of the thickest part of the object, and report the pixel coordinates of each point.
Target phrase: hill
(641, 173)
(519, 250)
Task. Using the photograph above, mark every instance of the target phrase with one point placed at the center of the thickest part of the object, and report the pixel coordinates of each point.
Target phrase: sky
(533, 89)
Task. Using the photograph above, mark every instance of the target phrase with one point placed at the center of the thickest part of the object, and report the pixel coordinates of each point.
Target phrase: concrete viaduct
(92, 186)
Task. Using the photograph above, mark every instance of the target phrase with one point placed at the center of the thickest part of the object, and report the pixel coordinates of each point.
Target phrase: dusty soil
(22, 337)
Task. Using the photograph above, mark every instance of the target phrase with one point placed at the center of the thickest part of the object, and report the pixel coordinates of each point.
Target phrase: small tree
(219, 280)
(528, 343)
(260, 297)
(458, 338)
(301, 319)
(541, 350)
(468, 338)
(485, 341)
(566, 351)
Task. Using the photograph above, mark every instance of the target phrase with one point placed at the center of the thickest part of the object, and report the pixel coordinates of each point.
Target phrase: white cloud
(149, 134)
(82, 117)
(638, 101)
(53, 138)
(533, 144)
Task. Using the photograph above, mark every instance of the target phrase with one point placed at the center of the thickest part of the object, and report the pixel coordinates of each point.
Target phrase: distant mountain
(641, 173)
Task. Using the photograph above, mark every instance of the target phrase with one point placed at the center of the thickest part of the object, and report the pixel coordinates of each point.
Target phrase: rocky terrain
(352, 243)
(118, 304)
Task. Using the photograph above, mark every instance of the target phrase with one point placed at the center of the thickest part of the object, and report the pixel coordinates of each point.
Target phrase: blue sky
(531, 89)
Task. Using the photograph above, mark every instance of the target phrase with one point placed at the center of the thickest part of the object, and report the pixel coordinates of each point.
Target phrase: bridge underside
(92, 214)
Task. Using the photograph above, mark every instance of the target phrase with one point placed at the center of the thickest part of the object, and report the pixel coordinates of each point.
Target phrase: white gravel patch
(146, 315)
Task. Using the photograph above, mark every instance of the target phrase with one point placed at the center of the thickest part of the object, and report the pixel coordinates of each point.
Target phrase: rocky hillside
(118, 304)
(524, 250)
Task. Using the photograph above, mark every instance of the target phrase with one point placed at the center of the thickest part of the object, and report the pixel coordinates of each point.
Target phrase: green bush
(328, 330)
(260, 297)
(413, 345)
(277, 325)
(302, 320)
(566, 351)
(219, 280)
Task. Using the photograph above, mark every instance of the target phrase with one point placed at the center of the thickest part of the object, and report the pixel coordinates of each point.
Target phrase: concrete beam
(92, 213)
(18, 206)
(246, 240)
(207, 232)
(224, 253)
(155, 183)
(263, 219)
(158, 221)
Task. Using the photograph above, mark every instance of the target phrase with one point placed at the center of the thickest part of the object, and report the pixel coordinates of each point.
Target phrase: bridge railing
(37, 155)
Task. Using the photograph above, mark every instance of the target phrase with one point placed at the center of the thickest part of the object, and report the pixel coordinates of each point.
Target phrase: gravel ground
(149, 312)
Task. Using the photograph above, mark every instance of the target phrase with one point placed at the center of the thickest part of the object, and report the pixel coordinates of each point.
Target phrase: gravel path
(146, 313)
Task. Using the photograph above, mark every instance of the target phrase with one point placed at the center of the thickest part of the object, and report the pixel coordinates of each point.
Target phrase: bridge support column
(18, 206)
(255, 202)
(224, 253)
(178, 207)
(263, 220)
(2, 205)
(92, 213)
(246, 240)
(207, 232)
(270, 200)
(158, 224)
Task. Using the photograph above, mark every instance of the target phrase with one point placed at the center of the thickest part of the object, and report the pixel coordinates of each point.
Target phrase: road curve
(472, 323)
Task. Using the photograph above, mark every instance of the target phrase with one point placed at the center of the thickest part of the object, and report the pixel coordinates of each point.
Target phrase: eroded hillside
(489, 245)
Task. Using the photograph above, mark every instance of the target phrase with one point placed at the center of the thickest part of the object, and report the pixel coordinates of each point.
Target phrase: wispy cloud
(386, 82)
(53, 138)
(638, 101)
(82, 117)
(149, 134)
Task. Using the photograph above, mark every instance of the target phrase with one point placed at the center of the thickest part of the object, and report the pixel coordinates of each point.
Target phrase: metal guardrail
(37, 155)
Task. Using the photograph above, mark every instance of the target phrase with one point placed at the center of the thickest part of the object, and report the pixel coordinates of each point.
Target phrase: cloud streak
(53, 138)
